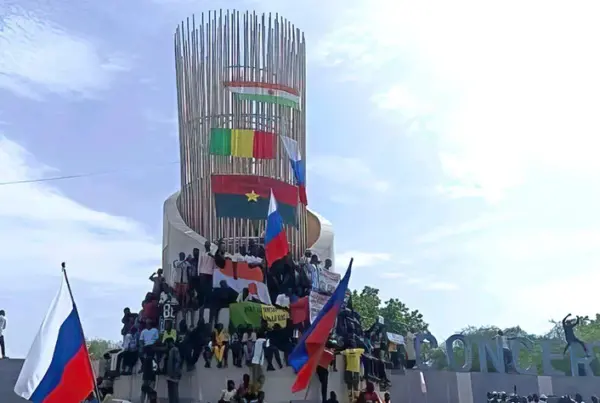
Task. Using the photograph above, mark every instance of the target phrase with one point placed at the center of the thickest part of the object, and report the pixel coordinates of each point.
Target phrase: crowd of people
(501, 397)
(170, 343)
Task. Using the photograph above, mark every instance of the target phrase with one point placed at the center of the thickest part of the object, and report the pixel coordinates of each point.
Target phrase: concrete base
(9, 372)
(205, 385)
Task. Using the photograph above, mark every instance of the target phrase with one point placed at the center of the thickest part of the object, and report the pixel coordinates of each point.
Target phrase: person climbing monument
(570, 338)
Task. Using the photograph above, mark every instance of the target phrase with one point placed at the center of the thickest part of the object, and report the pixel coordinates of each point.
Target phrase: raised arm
(151, 278)
(564, 321)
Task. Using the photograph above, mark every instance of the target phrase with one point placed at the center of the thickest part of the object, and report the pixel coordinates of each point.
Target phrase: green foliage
(398, 318)
(97, 347)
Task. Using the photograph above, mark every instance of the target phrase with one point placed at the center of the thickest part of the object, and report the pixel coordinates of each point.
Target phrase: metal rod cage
(234, 46)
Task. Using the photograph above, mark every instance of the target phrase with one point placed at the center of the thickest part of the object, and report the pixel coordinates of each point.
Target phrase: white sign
(316, 302)
(328, 281)
(395, 338)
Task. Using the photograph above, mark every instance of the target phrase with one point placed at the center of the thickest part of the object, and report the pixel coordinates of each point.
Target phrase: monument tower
(241, 91)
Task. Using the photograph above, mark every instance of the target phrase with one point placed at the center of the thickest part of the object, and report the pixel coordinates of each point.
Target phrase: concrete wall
(205, 385)
(9, 372)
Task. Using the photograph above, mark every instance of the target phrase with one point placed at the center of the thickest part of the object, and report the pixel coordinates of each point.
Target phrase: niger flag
(247, 196)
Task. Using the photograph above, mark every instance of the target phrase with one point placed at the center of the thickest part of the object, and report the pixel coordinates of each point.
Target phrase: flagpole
(64, 271)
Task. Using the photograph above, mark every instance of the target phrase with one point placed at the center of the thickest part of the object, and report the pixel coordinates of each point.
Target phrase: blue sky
(452, 144)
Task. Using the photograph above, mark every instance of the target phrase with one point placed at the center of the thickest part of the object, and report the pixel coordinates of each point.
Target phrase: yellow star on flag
(252, 196)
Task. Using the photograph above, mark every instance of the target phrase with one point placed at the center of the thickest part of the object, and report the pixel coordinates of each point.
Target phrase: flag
(276, 244)
(247, 196)
(298, 166)
(57, 368)
(242, 143)
(307, 353)
(265, 92)
(239, 275)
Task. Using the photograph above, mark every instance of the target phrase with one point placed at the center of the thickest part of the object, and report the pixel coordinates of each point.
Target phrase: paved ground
(9, 372)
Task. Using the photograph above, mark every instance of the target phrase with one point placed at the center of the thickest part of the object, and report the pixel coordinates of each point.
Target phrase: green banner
(250, 313)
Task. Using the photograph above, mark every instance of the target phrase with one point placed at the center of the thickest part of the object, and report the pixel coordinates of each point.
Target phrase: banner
(395, 338)
(316, 302)
(239, 275)
(328, 281)
(274, 315)
(251, 313)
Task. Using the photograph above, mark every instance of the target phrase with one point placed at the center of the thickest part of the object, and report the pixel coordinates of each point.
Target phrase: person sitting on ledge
(368, 395)
(243, 391)
(228, 394)
(130, 351)
(219, 343)
(248, 342)
(235, 344)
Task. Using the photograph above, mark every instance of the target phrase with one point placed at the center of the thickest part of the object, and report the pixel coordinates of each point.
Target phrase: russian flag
(57, 368)
(276, 245)
(298, 166)
(308, 353)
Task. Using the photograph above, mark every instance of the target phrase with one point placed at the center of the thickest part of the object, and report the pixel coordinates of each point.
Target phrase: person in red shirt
(150, 308)
(369, 395)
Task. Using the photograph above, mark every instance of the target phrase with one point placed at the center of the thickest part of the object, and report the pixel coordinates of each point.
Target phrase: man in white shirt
(2, 327)
(257, 376)
(206, 269)
(506, 351)
(411, 353)
(182, 270)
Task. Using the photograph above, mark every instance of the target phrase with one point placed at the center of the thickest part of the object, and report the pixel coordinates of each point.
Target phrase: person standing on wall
(570, 338)
(411, 352)
(2, 328)
(506, 351)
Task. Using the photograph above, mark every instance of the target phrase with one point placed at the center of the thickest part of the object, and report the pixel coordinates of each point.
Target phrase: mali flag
(247, 196)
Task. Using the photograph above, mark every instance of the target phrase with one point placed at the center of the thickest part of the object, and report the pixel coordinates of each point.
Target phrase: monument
(241, 90)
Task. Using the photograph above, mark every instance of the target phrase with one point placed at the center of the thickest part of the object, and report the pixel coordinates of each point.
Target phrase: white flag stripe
(266, 91)
(291, 148)
(41, 352)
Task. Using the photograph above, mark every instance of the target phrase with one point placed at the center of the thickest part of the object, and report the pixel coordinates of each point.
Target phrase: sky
(453, 145)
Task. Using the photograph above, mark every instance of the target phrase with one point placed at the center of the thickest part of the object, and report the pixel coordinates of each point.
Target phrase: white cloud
(466, 228)
(392, 275)
(37, 56)
(362, 259)
(347, 171)
(399, 97)
(514, 102)
(439, 286)
(41, 227)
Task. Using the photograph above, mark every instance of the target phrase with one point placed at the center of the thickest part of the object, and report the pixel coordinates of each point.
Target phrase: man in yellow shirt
(352, 371)
(169, 332)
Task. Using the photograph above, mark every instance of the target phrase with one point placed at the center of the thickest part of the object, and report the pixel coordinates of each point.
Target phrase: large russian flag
(276, 245)
(308, 353)
(57, 368)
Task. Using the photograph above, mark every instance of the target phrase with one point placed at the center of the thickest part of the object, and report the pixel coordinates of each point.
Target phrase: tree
(397, 316)
(97, 347)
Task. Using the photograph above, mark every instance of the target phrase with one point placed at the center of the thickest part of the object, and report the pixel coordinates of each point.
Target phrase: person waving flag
(57, 368)
(307, 354)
